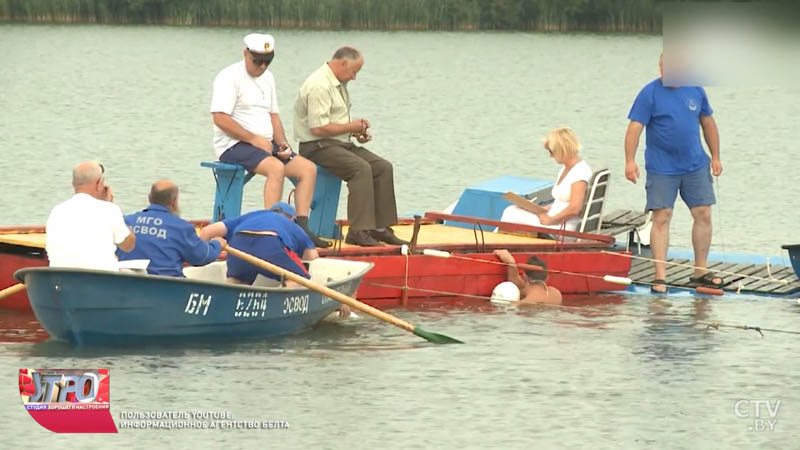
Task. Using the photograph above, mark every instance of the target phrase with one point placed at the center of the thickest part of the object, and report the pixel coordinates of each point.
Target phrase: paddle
(9, 291)
(349, 301)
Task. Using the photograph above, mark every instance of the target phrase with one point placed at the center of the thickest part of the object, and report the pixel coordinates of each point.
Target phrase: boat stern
(794, 257)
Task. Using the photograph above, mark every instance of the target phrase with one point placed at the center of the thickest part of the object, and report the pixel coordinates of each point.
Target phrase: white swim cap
(505, 292)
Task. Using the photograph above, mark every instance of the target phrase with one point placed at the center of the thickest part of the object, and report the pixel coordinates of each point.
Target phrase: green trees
(554, 15)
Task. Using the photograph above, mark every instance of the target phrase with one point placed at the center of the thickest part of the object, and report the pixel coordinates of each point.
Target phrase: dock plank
(622, 221)
(788, 288)
(780, 275)
(744, 277)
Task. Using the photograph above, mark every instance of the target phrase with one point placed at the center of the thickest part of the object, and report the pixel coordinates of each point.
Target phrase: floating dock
(741, 277)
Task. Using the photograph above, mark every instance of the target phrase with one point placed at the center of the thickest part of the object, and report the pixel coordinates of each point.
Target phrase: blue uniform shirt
(292, 236)
(167, 241)
(672, 120)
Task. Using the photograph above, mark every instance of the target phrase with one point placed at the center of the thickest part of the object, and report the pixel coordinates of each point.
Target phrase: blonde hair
(563, 143)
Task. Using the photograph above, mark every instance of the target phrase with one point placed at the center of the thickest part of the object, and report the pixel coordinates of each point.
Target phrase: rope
(709, 325)
(564, 272)
(771, 279)
(430, 291)
(467, 258)
(717, 325)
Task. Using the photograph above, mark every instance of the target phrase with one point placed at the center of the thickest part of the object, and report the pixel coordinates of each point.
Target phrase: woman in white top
(569, 190)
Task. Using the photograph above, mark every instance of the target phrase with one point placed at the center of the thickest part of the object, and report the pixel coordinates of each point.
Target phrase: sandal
(707, 279)
(658, 282)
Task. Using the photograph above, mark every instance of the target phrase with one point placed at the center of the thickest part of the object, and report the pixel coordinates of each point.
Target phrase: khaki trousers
(370, 181)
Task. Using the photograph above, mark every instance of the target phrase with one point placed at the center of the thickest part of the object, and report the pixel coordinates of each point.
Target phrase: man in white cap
(248, 130)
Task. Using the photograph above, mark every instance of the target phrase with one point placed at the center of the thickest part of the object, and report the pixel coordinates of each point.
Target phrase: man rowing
(271, 235)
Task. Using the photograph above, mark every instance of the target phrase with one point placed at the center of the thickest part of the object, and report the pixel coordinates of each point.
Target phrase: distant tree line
(545, 15)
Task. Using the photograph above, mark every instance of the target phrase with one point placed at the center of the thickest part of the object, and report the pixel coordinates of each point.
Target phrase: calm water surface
(450, 110)
(613, 373)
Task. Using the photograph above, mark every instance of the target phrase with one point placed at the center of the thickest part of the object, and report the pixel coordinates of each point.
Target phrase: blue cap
(284, 208)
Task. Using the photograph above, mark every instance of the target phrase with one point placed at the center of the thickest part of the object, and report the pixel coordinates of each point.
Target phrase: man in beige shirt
(323, 125)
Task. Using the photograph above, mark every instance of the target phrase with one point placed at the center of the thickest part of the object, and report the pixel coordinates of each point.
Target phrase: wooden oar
(349, 301)
(19, 287)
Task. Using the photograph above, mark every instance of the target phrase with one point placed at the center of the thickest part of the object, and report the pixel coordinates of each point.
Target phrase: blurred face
(257, 63)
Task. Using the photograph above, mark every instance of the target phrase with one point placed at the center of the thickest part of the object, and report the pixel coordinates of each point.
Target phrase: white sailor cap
(260, 43)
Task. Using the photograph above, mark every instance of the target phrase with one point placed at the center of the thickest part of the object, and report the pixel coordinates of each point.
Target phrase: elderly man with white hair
(85, 231)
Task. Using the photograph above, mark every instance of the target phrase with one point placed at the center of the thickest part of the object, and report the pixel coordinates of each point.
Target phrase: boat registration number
(251, 304)
(197, 304)
(295, 305)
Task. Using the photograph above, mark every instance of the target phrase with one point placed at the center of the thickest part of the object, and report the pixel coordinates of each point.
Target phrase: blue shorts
(249, 156)
(696, 189)
(268, 248)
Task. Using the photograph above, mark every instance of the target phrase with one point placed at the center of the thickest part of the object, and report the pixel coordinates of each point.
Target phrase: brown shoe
(361, 237)
(387, 235)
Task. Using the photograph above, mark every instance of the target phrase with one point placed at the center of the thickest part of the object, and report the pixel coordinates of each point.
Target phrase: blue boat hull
(96, 307)
(794, 256)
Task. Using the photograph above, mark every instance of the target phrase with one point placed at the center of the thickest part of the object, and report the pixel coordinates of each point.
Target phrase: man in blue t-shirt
(271, 235)
(164, 238)
(675, 162)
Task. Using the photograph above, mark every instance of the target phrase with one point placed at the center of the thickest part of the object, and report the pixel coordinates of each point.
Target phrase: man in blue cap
(164, 238)
(271, 235)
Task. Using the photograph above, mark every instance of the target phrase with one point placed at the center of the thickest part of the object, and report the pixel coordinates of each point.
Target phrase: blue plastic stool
(325, 204)
(231, 178)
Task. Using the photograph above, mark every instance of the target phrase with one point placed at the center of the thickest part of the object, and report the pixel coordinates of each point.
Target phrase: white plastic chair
(592, 214)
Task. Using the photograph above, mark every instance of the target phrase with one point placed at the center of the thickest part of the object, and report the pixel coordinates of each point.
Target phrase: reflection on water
(671, 331)
(20, 327)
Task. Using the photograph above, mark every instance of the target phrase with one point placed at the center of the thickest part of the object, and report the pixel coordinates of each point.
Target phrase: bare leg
(659, 241)
(306, 173)
(232, 280)
(701, 238)
(272, 168)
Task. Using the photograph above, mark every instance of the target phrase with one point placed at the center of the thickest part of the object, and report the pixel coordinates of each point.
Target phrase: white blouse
(561, 191)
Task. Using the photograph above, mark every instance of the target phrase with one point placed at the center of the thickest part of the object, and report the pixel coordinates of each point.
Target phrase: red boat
(461, 265)
(19, 247)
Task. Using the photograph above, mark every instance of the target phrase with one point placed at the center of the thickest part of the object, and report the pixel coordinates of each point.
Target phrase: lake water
(450, 110)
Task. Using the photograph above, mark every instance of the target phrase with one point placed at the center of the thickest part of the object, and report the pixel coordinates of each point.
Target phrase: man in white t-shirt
(85, 231)
(248, 129)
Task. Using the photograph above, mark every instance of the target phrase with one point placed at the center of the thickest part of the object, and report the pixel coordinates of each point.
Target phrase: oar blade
(436, 338)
